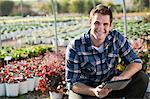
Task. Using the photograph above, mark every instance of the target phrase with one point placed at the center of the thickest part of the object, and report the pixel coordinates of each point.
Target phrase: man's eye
(105, 24)
(96, 23)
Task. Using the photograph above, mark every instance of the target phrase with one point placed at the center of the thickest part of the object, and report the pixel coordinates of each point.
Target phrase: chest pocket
(88, 69)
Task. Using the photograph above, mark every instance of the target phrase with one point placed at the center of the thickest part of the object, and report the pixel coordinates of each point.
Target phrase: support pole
(54, 12)
(125, 19)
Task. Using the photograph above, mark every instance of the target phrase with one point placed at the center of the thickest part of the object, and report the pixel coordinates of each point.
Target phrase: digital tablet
(117, 85)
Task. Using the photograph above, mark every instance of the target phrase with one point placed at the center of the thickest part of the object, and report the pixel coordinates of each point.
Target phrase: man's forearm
(83, 89)
(131, 70)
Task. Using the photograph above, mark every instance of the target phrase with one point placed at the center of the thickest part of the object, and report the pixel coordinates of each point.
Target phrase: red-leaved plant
(49, 67)
(53, 73)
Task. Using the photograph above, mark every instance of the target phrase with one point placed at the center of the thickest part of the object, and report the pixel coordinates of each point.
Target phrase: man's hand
(101, 92)
(118, 78)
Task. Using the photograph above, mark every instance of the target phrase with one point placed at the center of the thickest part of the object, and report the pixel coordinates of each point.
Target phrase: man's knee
(73, 95)
(138, 85)
(143, 77)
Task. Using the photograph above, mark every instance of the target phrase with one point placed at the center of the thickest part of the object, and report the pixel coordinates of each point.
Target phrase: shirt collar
(108, 40)
(86, 40)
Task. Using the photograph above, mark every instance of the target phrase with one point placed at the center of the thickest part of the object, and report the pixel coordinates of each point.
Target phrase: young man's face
(100, 26)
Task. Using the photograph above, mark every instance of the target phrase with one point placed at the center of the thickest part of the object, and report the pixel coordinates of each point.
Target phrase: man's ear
(110, 26)
(90, 21)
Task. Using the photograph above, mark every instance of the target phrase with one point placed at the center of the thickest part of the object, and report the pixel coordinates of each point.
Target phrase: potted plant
(23, 85)
(12, 86)
(30, 77)
(53, 77)
(56, 84)
(2, 82)
(53, 81)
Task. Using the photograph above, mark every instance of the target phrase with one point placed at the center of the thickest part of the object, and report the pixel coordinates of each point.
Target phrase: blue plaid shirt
(87, 65)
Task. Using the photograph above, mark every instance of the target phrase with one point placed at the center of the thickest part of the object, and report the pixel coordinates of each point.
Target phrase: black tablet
(117, 85)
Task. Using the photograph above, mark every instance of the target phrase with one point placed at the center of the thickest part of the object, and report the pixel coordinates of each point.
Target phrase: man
(92, 59)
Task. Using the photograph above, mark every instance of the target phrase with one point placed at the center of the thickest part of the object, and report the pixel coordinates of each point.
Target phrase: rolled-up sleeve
(72, 66)
(127, 54)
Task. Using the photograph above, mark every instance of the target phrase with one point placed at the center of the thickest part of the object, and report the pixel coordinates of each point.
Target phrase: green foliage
(6, 7)
(63, 6)
(139, 5)
(145, 59)
(45, 7)
(23, 53)
(76, 6)
(33, 7)
(26, 10)
(88, 5)
(117, 9)
(137, 30)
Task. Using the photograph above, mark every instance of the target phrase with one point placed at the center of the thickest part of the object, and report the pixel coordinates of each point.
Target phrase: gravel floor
(38, 95)
(30, 95)
(147, 95)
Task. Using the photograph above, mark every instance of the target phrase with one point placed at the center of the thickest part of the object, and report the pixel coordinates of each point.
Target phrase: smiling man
(92, 60)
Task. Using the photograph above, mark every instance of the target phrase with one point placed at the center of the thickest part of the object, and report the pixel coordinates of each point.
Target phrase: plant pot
(55, 95)
(30, 84)
(23, 87)
(2, 89)
(12, 89)
(36, 81)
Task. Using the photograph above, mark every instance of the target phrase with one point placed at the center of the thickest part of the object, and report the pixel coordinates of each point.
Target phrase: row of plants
(42, 34)
(141, 27)
(48, 68)
(67, 29)
(23, 53)
(38, 19)
(137, 30)
(21, 27)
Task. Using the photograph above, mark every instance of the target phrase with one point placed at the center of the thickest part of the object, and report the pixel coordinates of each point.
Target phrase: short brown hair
(102, 9)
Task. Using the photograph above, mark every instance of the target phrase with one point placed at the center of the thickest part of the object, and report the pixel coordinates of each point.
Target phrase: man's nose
(101, 28)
